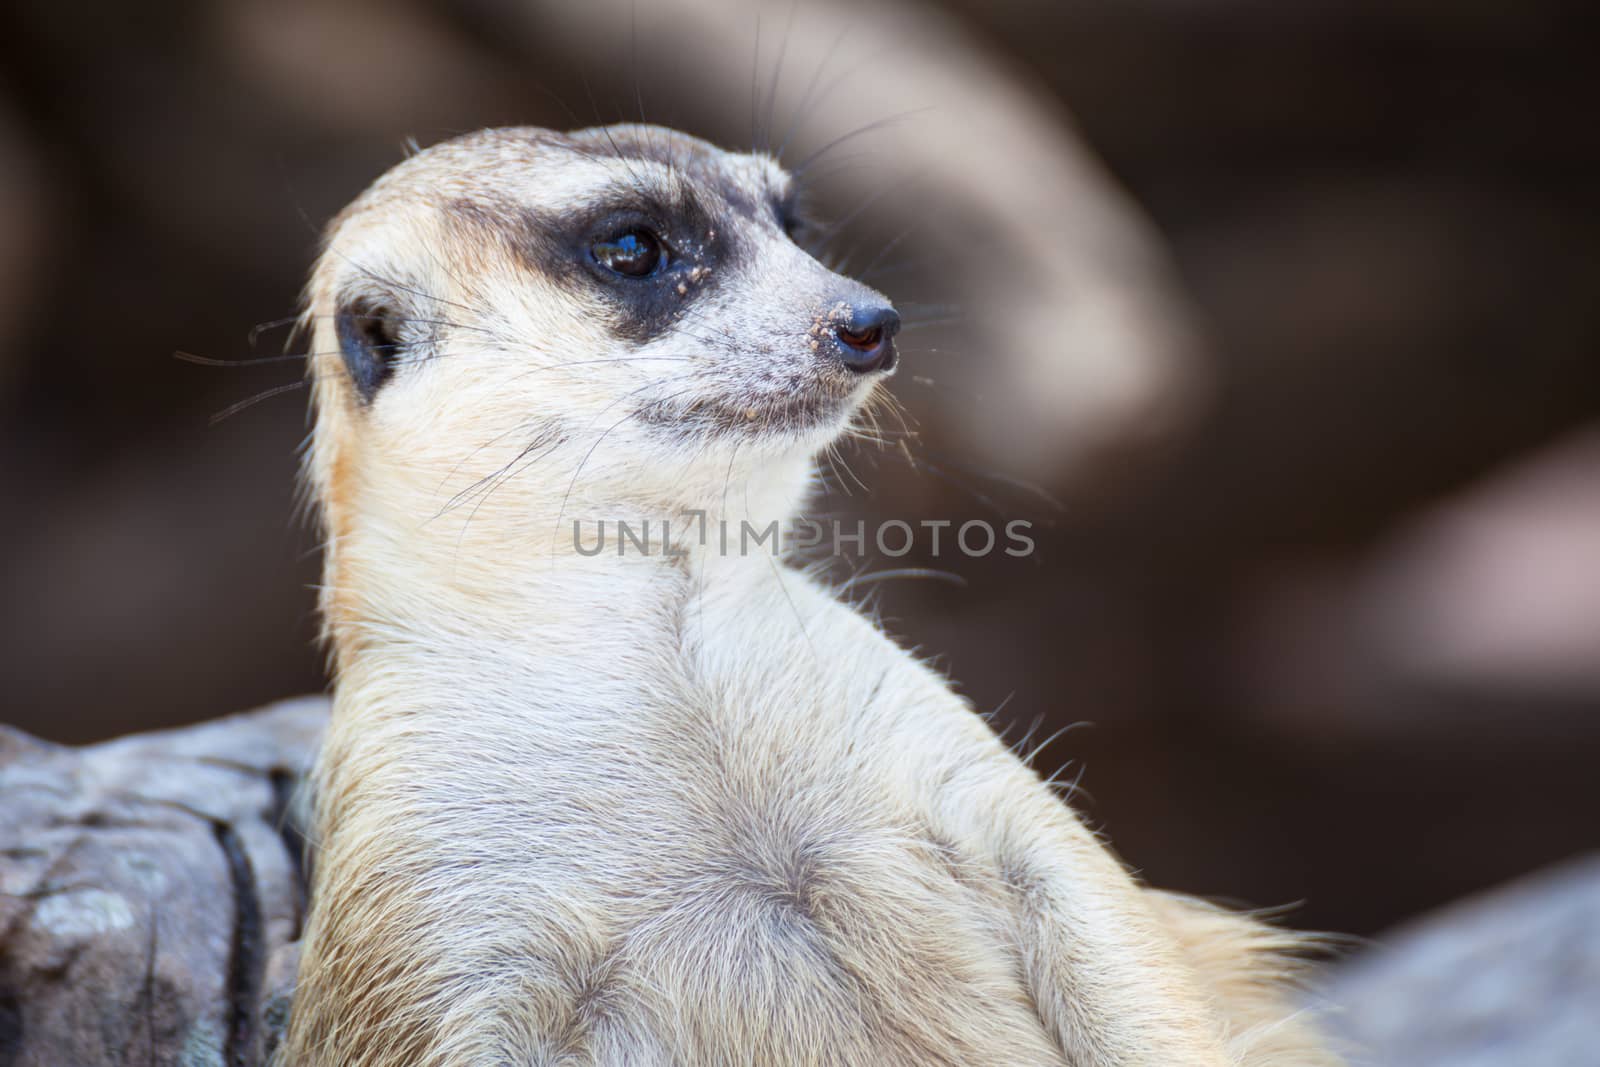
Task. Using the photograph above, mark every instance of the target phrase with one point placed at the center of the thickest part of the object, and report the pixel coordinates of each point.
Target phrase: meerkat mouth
(797, 412)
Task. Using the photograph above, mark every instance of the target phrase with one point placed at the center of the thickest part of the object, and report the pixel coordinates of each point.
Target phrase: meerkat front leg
(1107, 979)
(1119, 973)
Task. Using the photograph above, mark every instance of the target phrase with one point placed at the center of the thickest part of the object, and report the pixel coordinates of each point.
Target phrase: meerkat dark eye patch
(370, 342)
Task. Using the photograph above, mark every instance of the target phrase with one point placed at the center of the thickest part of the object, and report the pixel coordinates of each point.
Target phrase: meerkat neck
(587, 576)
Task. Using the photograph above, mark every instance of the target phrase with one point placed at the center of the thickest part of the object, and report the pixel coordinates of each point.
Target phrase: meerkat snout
(866, 338)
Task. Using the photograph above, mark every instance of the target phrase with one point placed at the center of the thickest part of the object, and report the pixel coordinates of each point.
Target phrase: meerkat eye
(369, 341)
(634, 254)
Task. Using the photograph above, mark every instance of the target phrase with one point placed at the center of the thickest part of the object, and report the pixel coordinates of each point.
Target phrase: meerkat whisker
(863, 130)
(566, 497)
(250, 402)
(467, 492)
(801, 112)
(272, 324)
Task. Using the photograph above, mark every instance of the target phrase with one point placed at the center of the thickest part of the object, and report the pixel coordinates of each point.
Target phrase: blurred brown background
(1336, 629)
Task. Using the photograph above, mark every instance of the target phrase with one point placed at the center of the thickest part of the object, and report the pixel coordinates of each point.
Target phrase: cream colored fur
(670, 810)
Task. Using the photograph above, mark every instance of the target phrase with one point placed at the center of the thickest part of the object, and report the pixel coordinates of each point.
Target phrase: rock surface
(1507, 979)
(151, 889)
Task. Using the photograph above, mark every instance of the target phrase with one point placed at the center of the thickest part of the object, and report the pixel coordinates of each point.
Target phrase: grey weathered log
(151, 892)
(151, 896)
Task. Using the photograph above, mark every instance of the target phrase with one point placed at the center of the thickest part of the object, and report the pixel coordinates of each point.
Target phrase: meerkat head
(524, 321)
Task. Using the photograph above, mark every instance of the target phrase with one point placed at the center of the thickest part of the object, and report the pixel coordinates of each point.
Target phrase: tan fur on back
(689, 809)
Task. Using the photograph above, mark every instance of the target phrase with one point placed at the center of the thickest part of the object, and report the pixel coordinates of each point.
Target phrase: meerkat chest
(742, 801)
(781, 888)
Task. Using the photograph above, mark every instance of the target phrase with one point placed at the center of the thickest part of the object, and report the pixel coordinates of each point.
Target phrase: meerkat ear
(369, 341)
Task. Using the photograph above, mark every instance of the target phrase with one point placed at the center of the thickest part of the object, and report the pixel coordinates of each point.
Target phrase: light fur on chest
(673, 838)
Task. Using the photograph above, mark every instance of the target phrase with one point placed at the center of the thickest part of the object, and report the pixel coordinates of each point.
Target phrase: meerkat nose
(866, 339)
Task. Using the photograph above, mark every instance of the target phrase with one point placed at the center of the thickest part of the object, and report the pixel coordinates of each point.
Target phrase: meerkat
(668, 807)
